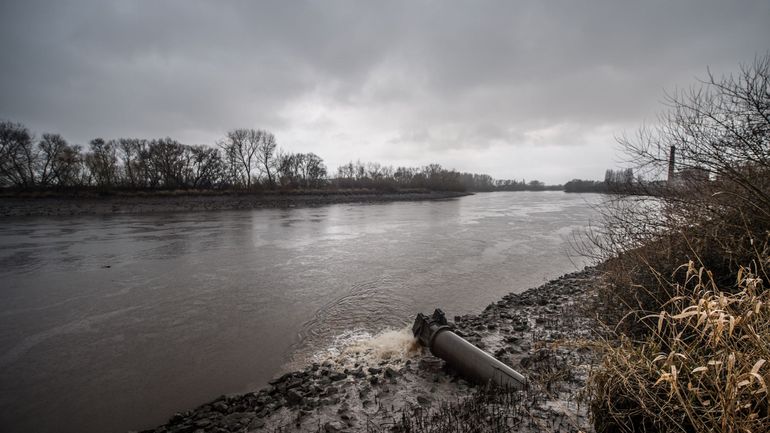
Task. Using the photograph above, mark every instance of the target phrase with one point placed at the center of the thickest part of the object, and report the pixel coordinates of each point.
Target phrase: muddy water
(114, 323)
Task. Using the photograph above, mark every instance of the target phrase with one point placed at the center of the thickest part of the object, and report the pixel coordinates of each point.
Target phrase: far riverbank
(13, 206)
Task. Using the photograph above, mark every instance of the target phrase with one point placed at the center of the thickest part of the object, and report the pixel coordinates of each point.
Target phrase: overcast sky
(516, 89)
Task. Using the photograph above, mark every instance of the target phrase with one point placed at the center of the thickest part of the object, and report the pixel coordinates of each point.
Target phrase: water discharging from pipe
(391, 346)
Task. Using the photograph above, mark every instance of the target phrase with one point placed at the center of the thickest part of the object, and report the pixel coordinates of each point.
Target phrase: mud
(392, 384)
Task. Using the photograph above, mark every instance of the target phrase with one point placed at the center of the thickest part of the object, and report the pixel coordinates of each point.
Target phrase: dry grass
(702, 368)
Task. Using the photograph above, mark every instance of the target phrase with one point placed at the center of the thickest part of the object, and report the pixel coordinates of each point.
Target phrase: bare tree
(241, 146)
(266, 155)
(132, 152)
(166, 159)
(102, 163)
(205, 168)
(52, 146)
(713, 210)
(18, 156)
(314, 170)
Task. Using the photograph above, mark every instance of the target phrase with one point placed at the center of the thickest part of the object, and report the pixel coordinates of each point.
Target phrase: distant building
(685, 176)
(671, 160)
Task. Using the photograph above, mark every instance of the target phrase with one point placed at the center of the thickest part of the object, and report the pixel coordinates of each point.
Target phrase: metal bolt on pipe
(471, 362)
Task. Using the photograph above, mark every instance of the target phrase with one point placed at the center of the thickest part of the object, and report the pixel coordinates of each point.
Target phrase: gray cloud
(516, 89)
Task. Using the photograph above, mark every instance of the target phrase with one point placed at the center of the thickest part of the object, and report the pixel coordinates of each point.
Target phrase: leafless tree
(102, 163)
(133, 153)
(266, 154)
(18, 156)
(205, 167)
(714, 209)
(241, 147)
(52, 159)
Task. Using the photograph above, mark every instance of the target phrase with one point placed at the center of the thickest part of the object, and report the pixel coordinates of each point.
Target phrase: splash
(359, 347)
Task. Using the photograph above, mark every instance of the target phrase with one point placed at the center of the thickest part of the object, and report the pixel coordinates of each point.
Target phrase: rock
(293, 397)
(279, 379)
(374, 370)
(256, 423)
(220, 407)
(203, 422)
(337, 376)
(333, 427)
(425, 401)
(391, 373)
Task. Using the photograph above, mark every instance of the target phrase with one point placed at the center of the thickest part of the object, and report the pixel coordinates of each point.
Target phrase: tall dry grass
(703, 368)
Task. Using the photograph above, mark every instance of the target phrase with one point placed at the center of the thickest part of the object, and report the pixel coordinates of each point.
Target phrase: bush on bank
(689, 345)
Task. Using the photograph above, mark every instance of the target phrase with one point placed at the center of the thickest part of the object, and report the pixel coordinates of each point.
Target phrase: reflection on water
(115, 323)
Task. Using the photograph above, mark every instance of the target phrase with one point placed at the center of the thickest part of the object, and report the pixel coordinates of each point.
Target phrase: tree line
(621, 181)
(243, 160)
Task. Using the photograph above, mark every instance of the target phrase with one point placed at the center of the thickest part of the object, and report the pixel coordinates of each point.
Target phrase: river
(109, 324)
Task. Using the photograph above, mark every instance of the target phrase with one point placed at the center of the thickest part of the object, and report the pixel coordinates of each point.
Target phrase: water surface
(115, 323)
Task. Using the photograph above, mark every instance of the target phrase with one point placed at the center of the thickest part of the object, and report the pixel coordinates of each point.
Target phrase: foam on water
(358, 346)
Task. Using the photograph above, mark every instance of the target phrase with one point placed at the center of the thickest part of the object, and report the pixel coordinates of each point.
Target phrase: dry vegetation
(702, 367)
(688, 345)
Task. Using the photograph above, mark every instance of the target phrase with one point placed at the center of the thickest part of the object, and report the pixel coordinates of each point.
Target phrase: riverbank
(11, 206)
(391, 383)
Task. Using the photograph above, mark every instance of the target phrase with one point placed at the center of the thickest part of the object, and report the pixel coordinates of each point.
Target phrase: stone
(333, 427)
(256, 423)
(337, 376)
(203, 422)
(220, 407)
(293, 397)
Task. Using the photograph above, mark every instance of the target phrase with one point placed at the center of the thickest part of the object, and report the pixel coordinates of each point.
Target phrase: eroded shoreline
(151, 204)
(544, 333)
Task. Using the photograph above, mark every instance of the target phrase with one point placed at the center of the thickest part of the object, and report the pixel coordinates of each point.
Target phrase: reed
(702, 368)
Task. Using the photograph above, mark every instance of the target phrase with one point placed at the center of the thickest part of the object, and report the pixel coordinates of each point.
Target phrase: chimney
(671, 160)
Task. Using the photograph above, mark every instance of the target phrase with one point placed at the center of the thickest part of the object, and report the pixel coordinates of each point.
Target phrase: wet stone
(204, 422)
(293, 397)
(333, 427)
(220, 406)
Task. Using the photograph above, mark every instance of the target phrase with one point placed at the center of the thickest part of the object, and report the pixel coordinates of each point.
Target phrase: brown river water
(110, 324)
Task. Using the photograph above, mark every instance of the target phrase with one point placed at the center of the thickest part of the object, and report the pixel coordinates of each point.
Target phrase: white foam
(361, 347)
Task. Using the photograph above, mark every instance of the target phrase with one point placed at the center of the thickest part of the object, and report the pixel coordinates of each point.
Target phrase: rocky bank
(545, 333)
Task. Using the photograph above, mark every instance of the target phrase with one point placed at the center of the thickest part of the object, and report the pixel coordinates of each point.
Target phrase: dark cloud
(517, 89)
